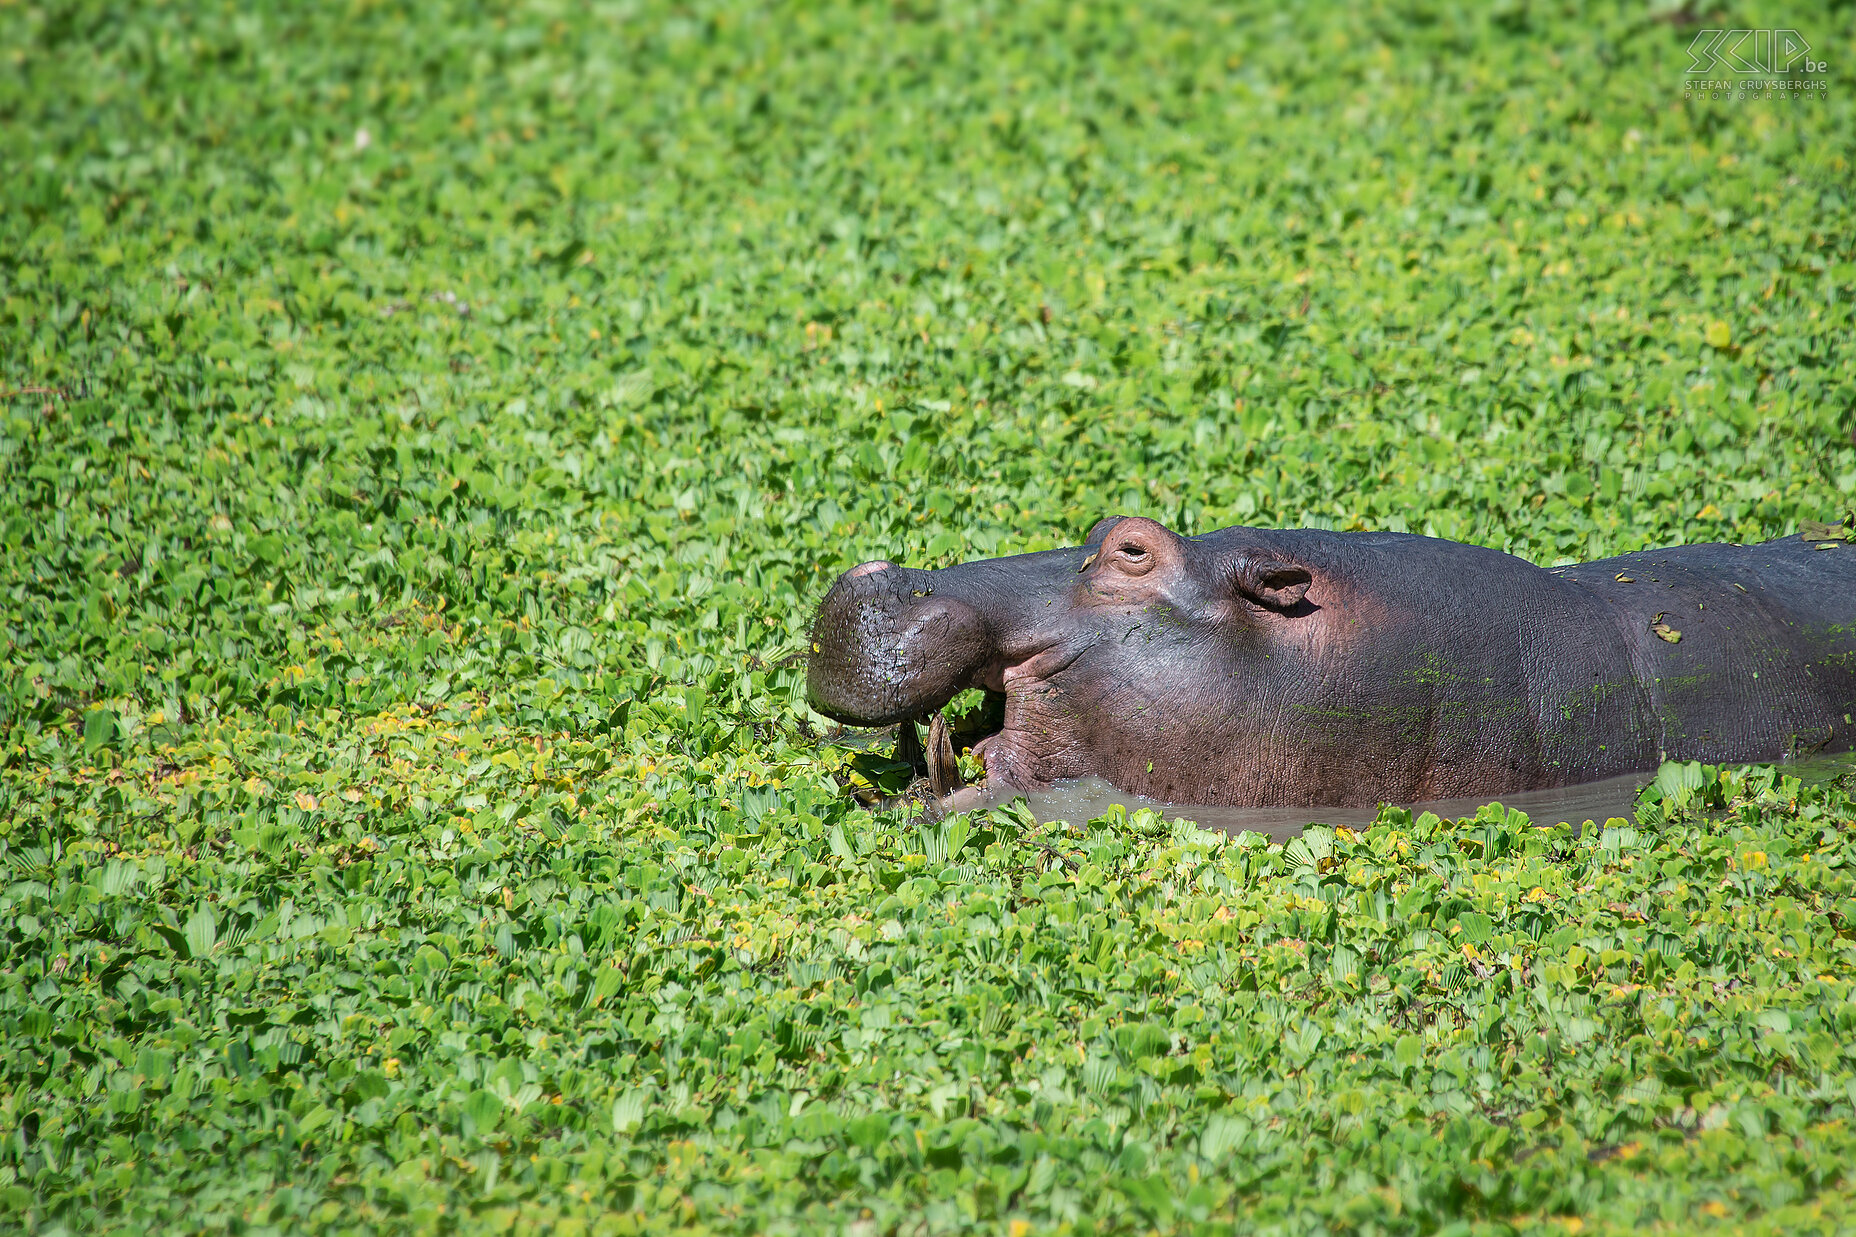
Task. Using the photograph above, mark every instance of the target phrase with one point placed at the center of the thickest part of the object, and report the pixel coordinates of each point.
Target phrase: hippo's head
(1151, 659)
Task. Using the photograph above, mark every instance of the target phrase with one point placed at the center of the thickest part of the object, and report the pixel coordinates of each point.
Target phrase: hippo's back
(1748, 652)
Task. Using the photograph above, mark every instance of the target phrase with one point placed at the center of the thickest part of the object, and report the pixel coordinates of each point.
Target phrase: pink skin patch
(864, 569)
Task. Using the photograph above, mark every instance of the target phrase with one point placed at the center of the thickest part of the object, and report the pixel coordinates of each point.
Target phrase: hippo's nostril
(869, 568)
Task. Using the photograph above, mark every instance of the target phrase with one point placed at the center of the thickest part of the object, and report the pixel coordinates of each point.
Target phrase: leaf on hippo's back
(1812, 530)
(1663, 630)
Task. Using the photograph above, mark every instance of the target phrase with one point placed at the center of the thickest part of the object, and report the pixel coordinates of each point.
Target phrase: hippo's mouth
(1016, 732)
(950, 734)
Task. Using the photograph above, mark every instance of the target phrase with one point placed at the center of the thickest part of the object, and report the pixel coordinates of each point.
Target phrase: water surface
(1591, 802)
(1089, 797)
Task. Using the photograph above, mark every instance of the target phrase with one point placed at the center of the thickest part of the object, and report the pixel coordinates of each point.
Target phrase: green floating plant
(425, 432)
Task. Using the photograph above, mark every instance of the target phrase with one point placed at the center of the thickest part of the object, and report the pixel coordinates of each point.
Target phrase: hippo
(1255, 667)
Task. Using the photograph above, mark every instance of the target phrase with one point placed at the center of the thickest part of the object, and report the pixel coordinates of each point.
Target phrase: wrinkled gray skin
(1256, 667)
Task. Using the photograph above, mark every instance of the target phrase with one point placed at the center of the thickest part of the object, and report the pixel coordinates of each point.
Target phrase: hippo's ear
(1100, 528)
(1273, 584)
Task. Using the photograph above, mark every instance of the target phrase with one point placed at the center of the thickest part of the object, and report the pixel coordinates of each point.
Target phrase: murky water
(1087, 798)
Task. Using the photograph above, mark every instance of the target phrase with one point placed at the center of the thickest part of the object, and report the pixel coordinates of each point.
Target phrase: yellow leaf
(1709, 512)
(1714, 1207)
(1719, 335)
(306, 801)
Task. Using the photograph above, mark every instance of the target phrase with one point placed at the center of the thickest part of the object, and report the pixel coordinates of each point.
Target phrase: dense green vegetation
(426, 429)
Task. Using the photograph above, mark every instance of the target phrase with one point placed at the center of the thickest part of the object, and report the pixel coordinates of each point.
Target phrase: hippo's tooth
(909, 748)
(943, 768)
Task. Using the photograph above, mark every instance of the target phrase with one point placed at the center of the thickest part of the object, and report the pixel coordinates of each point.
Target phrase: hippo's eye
(1132, 559)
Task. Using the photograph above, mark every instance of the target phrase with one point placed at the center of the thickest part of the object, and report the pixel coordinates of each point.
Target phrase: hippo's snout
(886, 648)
